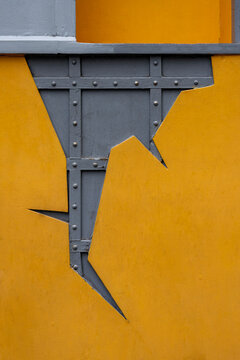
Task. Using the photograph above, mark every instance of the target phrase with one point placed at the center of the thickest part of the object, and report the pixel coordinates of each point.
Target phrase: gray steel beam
(86, 164)
(71, 47)
(151, 82)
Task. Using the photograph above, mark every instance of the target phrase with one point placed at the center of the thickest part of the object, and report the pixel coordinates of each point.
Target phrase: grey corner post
(236, 21)
(38, 20)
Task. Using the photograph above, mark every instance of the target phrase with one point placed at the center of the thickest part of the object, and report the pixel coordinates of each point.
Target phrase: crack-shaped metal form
(96, 103)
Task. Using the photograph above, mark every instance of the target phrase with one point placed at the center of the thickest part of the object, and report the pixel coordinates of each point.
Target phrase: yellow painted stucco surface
(47, 311)
(153, 21)
(171, 236)
(171, 255)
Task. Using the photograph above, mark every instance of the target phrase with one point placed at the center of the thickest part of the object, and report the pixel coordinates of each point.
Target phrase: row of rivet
(155, 103)
(95, 164)
(155, 83)
(75, 184)
(74, 206)
(115, 83)
(136, 83)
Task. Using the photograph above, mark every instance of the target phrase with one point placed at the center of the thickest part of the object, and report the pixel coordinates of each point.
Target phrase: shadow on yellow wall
(154, 21)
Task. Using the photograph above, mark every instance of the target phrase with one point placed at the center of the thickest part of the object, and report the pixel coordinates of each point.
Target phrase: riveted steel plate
(96, 102)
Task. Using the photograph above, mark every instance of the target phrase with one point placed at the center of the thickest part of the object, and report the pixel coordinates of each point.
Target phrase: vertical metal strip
(75, 205)
(155, 103)
(75, 201)
(75, 108)
(75, 123)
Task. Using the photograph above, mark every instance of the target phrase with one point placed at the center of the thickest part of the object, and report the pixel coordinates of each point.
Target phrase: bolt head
(155, 123)
(75, 103)
(75, 247)
(136, 83)
(75, 185)
(155, 62)
(74, 227)
(155, 103)
(75, 123)
(53, 83)
(115, 83)
(74, 164)
(75, 144)
(195, 82)
(75, 267)
(74, 61)
(74, 83)
(175, 82)
(94, 83)
(74, 206)
(155, 82)
(95, 164)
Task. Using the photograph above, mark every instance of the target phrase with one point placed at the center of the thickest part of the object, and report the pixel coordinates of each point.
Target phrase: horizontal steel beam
(155, 82)
(72, 47)
(79, 245)
(86, 164)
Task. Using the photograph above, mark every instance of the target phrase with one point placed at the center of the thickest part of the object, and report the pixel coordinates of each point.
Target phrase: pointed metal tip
(59, 215)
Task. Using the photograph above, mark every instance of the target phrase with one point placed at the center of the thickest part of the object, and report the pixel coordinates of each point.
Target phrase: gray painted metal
(59, 215)
(71, 47)
(112, 99)
(87, 163)
(149, 82)
(37, 18)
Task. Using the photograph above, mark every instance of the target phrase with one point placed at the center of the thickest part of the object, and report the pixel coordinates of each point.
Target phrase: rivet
(74, 164)
(94, 83)
(115, 83)
(176, 82)
(75, 186)
(74, 61)
(53, 83)
(75, 144)
(155, 103)
(75, 103)
(95, 164)
(195, 82)
(136, 83)
(75, 123)
(155, 82)
(75, 267)
(74, 227)
(74, 83)
(155, 123)
(74, 206)
(155, 62)
(75, 247)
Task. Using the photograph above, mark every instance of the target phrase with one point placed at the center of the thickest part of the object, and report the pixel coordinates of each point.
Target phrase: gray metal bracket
(75, 89)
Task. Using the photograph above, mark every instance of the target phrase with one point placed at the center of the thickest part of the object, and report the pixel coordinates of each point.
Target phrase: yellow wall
(47, 311)
(171, 235)
(171, 254)
(154, 21)
(225, 21)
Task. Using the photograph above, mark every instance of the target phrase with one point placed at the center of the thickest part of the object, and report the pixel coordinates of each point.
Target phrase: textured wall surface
(166, 241)
(140, 21)
(171, 235)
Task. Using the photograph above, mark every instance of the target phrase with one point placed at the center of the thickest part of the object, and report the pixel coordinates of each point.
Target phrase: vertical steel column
(75, 232)
(155, 103)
